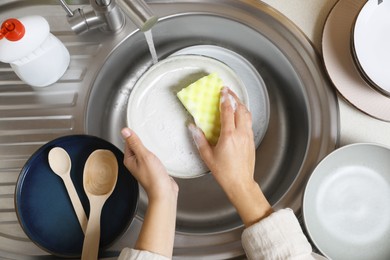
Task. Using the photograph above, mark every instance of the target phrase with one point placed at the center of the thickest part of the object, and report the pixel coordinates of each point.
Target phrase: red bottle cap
(12, 29)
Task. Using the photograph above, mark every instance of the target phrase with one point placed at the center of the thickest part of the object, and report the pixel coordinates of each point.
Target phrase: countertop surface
(310, 17)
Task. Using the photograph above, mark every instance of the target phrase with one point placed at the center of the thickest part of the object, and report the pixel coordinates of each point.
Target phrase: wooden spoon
(60, 163)
(100, 176)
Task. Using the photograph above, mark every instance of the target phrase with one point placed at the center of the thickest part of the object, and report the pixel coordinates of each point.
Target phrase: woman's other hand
(158, 229)
(147, 168)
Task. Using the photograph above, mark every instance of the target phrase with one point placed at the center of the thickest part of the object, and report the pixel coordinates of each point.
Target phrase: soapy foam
(160, 120)
(163, 128)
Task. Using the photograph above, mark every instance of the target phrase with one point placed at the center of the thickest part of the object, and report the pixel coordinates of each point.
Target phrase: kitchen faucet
(108, 16)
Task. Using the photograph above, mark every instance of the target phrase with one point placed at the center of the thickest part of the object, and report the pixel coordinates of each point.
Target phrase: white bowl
(346, 204)
(156, 114)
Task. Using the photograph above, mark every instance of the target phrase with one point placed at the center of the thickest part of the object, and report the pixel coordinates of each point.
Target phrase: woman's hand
(158, 229)
(232, 159)
(147, 168)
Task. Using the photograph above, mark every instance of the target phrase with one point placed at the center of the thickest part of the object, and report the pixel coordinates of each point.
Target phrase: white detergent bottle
(36, 55)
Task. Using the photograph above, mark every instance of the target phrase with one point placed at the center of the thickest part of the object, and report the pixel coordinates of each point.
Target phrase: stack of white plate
(371, 43)
(160, 120)
(355, 47)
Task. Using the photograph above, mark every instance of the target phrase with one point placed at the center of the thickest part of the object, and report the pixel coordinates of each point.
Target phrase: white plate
(371, 40)
(346, 203)
(255, 86)
(156, 114)
(340, 65)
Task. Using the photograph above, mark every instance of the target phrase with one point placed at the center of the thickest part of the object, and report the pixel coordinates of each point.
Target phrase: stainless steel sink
(92, 98)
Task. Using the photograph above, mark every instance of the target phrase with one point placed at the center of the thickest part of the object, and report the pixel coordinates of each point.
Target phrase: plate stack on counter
(356, 53)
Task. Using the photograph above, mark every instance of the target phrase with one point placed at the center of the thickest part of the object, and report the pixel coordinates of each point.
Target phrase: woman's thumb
(133, 142)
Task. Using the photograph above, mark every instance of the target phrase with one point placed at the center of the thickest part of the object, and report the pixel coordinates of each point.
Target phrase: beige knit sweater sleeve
(279, 236)
(133, 254)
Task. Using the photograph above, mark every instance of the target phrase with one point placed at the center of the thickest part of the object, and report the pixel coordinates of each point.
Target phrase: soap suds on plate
(156, 114)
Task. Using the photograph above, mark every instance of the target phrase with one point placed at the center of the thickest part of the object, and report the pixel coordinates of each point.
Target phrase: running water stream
(152, 49)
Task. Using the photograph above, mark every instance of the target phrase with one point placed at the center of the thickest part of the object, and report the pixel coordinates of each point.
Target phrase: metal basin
(303, 122)
(92, 98)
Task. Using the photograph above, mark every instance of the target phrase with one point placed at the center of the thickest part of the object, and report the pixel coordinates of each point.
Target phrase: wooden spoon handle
(77, 206)
(92, 235)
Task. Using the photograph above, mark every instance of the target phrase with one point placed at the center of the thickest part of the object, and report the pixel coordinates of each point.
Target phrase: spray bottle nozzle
(12, 29)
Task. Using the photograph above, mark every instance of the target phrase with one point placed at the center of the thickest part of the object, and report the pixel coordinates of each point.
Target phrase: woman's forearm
(158, 230)
(250, 203)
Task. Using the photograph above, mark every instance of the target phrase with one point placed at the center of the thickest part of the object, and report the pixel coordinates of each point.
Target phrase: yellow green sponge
(201, 99)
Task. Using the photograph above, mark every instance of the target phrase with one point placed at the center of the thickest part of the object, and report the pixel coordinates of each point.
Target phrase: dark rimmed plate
(44, 209)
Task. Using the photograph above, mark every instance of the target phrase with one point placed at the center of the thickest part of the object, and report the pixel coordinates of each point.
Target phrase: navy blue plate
(45, 211)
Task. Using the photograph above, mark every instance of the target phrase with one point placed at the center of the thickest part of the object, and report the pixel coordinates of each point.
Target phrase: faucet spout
(108, 16)
(140, 14)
